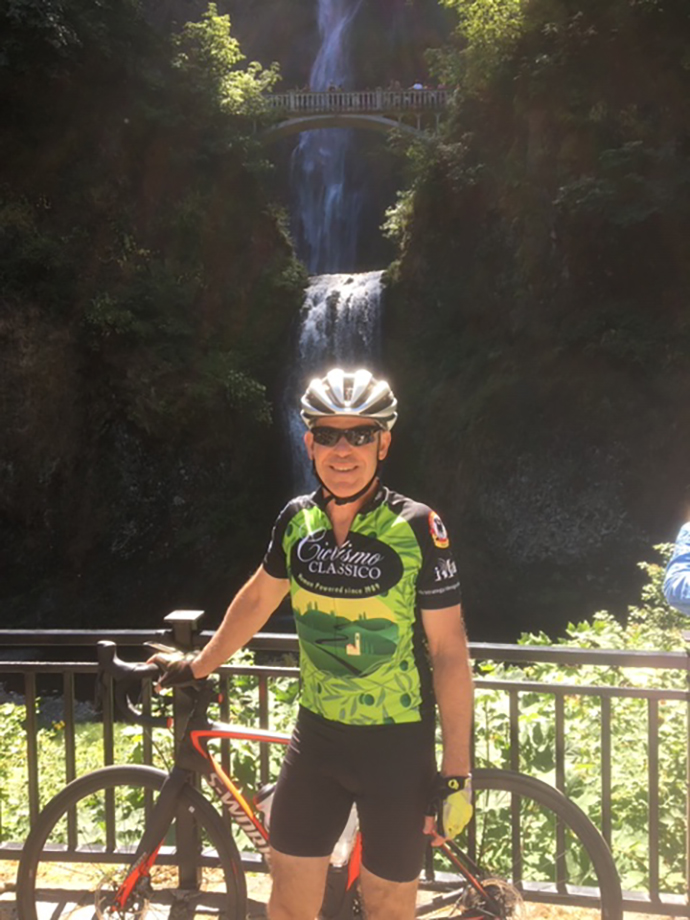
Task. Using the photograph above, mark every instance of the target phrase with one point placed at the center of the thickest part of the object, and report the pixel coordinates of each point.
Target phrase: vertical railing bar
(147, 735)
(472, 839)
(559, 703)
(263, 723)
(32, 743)
(147, 740)
(108, 758)
(560, 862)
(70, 742)
(515, 803)
(514, 709)
(606, 822)
(70, 751)
(653, 781)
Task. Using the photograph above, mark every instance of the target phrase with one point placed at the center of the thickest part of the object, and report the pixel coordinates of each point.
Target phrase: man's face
(343, 468)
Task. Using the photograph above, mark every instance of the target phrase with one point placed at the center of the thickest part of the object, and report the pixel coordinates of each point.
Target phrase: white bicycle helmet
(356, 393)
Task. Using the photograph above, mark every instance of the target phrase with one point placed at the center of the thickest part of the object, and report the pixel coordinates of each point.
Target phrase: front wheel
(533, 846)
(81, 847)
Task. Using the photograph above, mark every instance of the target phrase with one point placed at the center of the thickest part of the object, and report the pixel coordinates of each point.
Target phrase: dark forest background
(536, 318)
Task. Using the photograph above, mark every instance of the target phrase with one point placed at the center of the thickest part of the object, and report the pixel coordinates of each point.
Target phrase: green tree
(147, 285)
(209, 56)
(486, 33)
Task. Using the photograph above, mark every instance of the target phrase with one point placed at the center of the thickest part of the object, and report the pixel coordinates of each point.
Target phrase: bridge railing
(380, 101)
(48, 695)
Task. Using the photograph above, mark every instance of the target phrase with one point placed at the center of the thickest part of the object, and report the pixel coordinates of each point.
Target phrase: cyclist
(677, 577)
(376, 599)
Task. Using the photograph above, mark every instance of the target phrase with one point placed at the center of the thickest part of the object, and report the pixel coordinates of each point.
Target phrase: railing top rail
(563, 655)
(571, 689)
(75, 637)
(280, 642)
(484, 683)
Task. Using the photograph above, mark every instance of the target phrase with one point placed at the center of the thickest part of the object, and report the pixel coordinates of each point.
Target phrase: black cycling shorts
(388, 770)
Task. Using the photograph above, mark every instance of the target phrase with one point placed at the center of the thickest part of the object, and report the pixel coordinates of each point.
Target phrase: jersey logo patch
(438, 532)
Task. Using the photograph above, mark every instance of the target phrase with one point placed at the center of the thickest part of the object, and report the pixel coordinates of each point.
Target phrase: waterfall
(340, 325)
(327, 206)
(340, 319)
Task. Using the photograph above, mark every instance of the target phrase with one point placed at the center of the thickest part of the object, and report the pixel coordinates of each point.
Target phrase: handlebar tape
(125, 674)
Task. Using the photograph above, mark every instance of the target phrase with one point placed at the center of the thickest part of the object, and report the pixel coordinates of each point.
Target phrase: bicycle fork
(163, 813)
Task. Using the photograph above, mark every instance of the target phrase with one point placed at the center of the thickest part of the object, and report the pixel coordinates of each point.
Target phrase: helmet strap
(330, 497)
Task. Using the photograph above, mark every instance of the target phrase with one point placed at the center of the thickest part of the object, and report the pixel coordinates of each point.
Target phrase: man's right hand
(175, 667)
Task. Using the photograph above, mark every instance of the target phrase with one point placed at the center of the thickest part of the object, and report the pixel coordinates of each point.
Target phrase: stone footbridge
(411, 111)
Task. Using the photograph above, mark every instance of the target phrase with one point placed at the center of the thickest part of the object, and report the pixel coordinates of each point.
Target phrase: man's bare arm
(251, 607)
(445, 631)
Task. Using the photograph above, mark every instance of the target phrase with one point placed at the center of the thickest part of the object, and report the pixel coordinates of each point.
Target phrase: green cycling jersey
(357, 606)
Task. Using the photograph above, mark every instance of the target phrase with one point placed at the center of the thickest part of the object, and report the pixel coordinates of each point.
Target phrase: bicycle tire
(75, 887)
(507, 801)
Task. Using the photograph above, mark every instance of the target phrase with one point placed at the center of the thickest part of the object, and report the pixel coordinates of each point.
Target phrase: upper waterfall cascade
(340, 320)
(327, 207)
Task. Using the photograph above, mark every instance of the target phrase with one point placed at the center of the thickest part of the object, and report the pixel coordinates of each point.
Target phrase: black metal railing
(30, 680)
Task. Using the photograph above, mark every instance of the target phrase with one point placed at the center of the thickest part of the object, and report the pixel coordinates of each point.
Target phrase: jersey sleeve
(438, 583)
(677, 577)
(274, 560)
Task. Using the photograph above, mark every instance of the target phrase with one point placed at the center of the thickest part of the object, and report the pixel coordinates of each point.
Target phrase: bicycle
(171, 853)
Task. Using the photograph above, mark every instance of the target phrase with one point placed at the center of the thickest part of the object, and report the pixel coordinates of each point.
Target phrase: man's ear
(309, 444)
(384, 444)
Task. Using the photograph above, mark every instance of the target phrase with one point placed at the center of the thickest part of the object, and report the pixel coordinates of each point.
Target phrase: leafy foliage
(208, 56)
(651, 625)
(542, 275)
(138, 238)
(487, 31)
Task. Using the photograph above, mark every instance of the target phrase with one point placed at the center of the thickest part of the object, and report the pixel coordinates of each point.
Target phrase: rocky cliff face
(389, 39)
(147, 289)
(543, 283)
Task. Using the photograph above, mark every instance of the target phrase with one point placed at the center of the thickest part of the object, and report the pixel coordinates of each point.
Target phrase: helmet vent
(356, 394)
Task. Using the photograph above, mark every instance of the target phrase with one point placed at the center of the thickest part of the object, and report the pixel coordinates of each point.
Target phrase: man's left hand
(451, 808)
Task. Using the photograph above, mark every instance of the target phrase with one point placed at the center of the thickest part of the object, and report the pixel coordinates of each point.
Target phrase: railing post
(184, 625)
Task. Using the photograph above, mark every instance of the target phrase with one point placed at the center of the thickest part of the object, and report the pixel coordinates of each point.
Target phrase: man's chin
(343, 493)
(343, 489)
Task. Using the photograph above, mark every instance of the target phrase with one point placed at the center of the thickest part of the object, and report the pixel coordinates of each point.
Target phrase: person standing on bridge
(376, 599)
(677, 576)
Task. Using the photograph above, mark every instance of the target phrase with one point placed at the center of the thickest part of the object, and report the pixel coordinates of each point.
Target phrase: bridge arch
(331, 120)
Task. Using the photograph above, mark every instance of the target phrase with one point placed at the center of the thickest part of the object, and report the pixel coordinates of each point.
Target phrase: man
(375, 594)
(677, 577)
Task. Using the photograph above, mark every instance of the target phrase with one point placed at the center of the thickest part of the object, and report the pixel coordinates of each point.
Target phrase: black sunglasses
(357, 437)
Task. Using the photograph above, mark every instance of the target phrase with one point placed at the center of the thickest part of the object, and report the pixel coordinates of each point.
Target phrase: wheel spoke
(82, 883)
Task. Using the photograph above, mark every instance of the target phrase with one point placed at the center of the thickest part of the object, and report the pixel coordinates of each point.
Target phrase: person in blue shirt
(677, 577)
